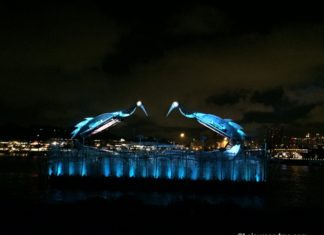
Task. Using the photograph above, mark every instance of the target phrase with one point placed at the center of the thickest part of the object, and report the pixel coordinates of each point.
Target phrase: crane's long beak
(143, 108)
(174, 105)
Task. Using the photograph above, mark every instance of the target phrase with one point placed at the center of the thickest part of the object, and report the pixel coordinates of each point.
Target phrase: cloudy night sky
(259, 65)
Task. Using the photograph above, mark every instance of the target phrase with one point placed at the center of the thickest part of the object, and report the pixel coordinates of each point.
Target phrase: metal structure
(225, 127)
(184, 165)
(94, 125)
(234, 164)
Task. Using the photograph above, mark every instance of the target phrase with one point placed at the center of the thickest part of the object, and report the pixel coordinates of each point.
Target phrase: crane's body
(224, 127)
(93, 125)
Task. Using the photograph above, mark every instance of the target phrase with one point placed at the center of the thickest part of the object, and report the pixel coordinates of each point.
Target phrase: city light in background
(311, 146)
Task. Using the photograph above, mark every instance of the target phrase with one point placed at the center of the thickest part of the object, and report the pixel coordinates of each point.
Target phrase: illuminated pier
(173, 165)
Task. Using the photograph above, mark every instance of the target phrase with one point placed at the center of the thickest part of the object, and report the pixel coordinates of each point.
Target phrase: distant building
(274, 136)
(309, 141)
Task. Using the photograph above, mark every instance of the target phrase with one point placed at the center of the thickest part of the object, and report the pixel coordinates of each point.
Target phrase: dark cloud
(316, 76)
(149, 36)
(60, 62)
(228, 98)
(274, 97)
(280, 115)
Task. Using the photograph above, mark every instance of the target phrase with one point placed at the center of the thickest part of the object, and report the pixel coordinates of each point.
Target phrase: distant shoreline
(297, 162)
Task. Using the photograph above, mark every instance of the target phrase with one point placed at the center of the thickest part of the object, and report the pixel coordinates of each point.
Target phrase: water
(290, 202)
(288, 186)
(295, 186)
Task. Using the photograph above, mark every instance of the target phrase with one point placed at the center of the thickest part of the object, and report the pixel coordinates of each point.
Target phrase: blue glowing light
(181, 170)
(242, 134)
(174, 166)
(71, 168)
(258, 173)
(194, 174)
(257, 178)
(80, 125)
(119, 168)
(144, 172)
(50, 171)
(84, 169)
(156, 172)
(233, 150)
(59, 169)
(234, 172)
(106, 167)
(208, 172)
(132, 168)
(169, 170)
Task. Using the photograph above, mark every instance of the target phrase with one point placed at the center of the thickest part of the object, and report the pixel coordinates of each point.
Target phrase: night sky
(261, 65)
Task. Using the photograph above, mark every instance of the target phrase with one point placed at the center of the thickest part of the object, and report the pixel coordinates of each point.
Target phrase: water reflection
(289, 186)
(156, 198)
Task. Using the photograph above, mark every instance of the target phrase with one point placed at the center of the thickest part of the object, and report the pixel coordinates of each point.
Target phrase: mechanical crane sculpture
(225, 127)
(94, 125)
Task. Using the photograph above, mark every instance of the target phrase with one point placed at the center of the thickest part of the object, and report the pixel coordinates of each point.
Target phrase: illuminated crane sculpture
(93, 125)
(225, 127)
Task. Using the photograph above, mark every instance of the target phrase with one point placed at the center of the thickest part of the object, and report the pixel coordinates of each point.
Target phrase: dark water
(290, 201)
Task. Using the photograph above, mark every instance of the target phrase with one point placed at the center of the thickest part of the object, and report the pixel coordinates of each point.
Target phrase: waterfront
(292, 195)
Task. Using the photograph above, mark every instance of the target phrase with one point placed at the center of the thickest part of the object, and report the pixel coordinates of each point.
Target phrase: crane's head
(175, 104)
(140, 105)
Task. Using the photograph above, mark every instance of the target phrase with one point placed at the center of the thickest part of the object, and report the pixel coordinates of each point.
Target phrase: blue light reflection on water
(156, 198)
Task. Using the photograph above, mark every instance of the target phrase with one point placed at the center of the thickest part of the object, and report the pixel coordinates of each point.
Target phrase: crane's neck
(185, 113)
(128, 112)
